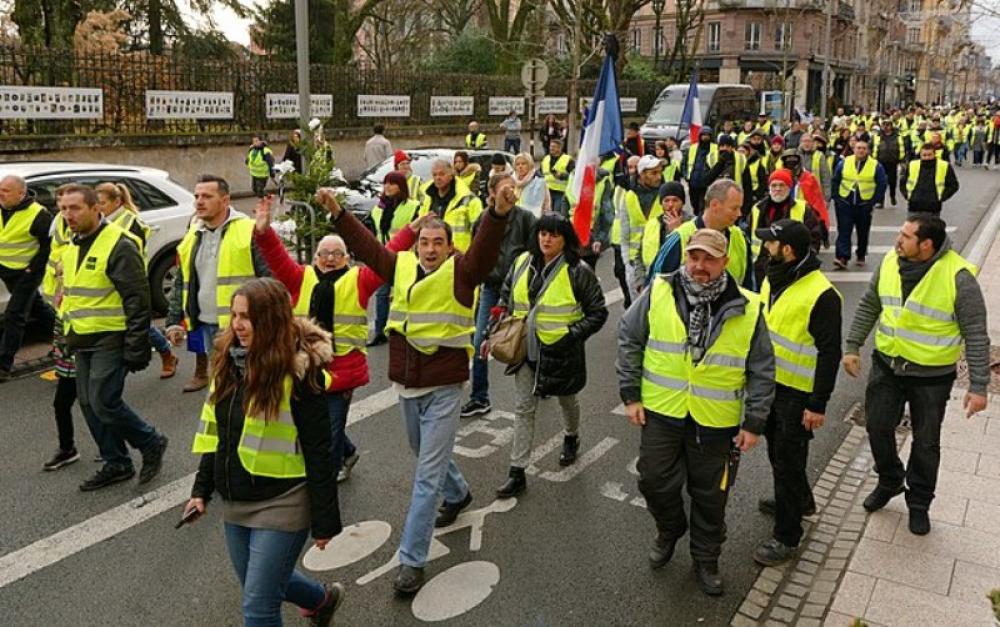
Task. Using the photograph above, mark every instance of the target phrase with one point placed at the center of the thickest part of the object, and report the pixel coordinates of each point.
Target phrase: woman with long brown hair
(265, 446)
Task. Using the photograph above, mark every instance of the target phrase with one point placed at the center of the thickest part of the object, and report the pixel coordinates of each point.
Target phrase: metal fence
(125, 77)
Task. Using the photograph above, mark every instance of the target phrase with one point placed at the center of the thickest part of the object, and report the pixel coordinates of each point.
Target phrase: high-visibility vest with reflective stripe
(124, 220)
(923, 329)
(234, 267)
(940, 174)
(17, 245)
(670, 172)
(267, 448)
(738, 249)
(797, 213)
(91, 304)
(460, 214)
(61, 238)
(401, 218)
(739, 168)
(711, 391)
(478, 142)
(633, 231)
(618, 202)
(467, 177)
(795, 353)
(863, 180)
(711, 160)
(878, 140)
(426, 312)
(651, 233)
(549, 170)
(350, 320)
(414, 184)
(816, 163)
(256, 164)
(754, 169)
(556, 307)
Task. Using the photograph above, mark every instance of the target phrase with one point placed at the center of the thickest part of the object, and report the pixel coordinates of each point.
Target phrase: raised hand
(262, 213)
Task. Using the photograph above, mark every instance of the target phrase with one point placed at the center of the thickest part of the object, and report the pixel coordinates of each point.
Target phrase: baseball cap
(791, 232)
(709, 240)
(648, 162)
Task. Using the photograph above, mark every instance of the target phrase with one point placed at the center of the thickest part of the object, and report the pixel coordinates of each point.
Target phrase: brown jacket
(408, 366)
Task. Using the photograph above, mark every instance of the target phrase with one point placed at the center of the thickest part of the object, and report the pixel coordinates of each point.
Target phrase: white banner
(370, 106)
(628, 105)
(553, 105)
(452, 105)
(50, 103)
(502, 105)
(180, 105)
(284, 106)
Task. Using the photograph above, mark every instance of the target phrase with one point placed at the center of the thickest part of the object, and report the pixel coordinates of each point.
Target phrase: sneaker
(345, 471)
(450, 511)
(61, 458)
(475, 408)
(880, 497)
(773, 552)
(920, 522)
(107, 475)
(153, 461)
(323, 616)
(839, 264)
(409, 579)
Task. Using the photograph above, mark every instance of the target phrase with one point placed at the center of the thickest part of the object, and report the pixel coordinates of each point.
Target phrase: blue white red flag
(691, 117)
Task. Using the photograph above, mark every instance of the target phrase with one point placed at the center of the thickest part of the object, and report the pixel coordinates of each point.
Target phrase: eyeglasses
(336, 254)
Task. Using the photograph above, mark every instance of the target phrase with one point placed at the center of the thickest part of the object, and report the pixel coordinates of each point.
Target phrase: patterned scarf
(700, 297)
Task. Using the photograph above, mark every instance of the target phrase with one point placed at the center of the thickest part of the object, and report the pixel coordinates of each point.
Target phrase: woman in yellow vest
(264, 441)
(561, 300)
(115, 202)
(671, 168)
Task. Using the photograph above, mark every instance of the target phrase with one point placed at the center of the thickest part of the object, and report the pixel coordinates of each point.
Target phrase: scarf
(322, 305)
(700, 297)
(388, 204)
(239, 355)
(520, 183)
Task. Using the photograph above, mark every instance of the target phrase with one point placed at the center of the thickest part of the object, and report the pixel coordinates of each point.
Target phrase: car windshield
(669, 107)
(421, 164)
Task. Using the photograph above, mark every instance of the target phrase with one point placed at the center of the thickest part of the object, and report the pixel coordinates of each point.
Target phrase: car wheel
(161, 283)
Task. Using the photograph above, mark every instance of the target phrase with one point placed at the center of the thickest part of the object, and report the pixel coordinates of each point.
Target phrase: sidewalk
(869, 566)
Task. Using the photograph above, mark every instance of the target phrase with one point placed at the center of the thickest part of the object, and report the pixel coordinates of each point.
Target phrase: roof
(32, 169)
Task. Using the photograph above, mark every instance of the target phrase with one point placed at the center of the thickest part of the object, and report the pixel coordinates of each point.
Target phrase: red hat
(399, 157)
(778, 139)
(783, 175)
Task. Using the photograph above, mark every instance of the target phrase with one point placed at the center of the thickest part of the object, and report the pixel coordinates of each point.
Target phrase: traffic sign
(534, 74)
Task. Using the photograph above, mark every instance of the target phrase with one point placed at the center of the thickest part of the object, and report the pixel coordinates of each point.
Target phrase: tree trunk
(155, 27)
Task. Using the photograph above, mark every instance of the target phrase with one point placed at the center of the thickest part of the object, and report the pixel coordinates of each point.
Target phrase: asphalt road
(570, 552)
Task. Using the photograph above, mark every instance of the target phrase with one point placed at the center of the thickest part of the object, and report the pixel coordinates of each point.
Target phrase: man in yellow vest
(779, 204)
(106, 313)
(476, 140)
(928, 182)
(696, 371)
(260, 165)
(556, 168)
(24, 253)
(217, 255)
(890, 150)
(803, 312)
(924, 304)
(451, 200)
(859, 183)
(430, 329)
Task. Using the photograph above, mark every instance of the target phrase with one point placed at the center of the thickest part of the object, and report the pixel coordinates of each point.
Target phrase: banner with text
(452, 105)
(284, 106)
(379, 106)
(180, 105)
(553, 105)
(502, 105)
(50, 103)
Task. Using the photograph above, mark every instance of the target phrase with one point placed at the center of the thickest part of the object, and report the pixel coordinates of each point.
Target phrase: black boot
(571, 444)
(515, 484)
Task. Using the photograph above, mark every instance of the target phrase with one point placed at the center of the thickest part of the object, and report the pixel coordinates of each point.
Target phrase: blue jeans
(382, 308)
(264, 560)
(849, 218)
(960, 151)
(431, 422)
(200, 340)
(159, 342)
(100, 381)
(339, 403)
(488, 298)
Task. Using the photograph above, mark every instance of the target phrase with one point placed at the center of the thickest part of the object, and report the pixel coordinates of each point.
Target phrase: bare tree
(453, 15)
(689, 19)
(508, 20)
(395, 29)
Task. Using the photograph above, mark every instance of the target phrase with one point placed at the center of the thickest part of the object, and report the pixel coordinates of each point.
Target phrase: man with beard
(779, 205)
(803, 314)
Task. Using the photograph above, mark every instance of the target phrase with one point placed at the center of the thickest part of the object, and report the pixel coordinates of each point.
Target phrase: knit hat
(778, 139)
(497, 159)
(673, 188)
(399, 157)
(782, 175)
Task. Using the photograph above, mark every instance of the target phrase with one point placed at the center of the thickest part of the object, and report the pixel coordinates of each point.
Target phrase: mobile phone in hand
(188, 516)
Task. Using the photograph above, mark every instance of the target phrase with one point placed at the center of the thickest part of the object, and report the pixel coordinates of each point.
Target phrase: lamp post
(658, 6)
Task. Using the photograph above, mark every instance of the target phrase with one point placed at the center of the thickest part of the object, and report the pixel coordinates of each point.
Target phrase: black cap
(791, 232)
(673, 188)
(497, 159)
(727, 140)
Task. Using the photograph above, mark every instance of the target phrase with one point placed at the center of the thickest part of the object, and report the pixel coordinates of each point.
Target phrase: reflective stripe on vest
(651, 240)
(788, 318)
(711, 392)
(460, 214)
(711, 160)
(940, 173)
(555, 306)
(478, 142)
(350, 320)
(403, 215)
(798, 213)
(878, 140)
(738, 249)
(923, 329)
(61, 237)
(17, 245)
(234, 268)
(549, 170)
(618, 202)
(256, 163)
(425, 312)
(634, 227)
(91, 304)
(864, 180)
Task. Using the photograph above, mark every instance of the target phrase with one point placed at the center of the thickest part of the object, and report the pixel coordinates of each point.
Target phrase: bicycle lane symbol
(448, 594)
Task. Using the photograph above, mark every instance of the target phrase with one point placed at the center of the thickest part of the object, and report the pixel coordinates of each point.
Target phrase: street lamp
(658, 6)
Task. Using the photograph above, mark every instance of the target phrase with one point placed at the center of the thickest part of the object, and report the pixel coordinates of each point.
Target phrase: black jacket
(562, 367)
(924, 197)
(39, 229)
(516, 240)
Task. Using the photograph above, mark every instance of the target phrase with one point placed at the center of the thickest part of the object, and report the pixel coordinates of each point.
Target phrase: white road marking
(456, 591)
(488, 425)
(588, 458)
(848, 277)
(872, 250)
(891, 229)
(354, 544)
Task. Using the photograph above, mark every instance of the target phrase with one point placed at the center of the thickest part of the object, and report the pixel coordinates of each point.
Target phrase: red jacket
(813, 194)
(351, 370)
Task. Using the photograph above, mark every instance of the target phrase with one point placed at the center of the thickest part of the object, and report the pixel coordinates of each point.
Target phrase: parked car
(164, 205)
(719, 102)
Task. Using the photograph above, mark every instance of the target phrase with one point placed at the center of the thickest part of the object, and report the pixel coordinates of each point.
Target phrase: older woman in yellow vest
(561, 301)
(264, 441)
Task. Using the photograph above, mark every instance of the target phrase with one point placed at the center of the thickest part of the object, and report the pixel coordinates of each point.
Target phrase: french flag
(692, 109)
(602, 133)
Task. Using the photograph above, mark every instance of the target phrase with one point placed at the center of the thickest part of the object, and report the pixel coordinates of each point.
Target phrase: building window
(714, 36)
(783, 36)
(913, 35)
(636, 39)
(753, 36)
(915, 6)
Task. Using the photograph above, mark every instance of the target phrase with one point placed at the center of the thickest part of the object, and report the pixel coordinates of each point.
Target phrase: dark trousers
(892, 175)
(339, 403)
(258, 184)
(851, 218)
(977, 157)
(884, 399)
(591, 259)
(788, 451)
(63, 406)
(25, 302)
(621, 276)
(697, 199)
(512, 145)
(670, 456)
(556, 199)
(993, 152)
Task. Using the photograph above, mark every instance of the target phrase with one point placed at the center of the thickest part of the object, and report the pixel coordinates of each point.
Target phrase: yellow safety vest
(555, 304)
(651, 233)
(350, 319)
(795, 353)
(864, 180)
(17, 245)
(401, 218)
(468, 177)
(426, 312)
(549, 170)
(670, 172)
(235, 266)
(754, 169)
(797, 213)
(413, 184)
(739, 168)
(923, 329)
(940, 173)
(61, 238)
(476, 143)
(125, 219)
(618, 202)
(711, 160)
(460, 214)
(91, 303)
(878, 140)
(256, 164)
(710, 391)
(633, 235)
(737, 265)
(598, 196)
